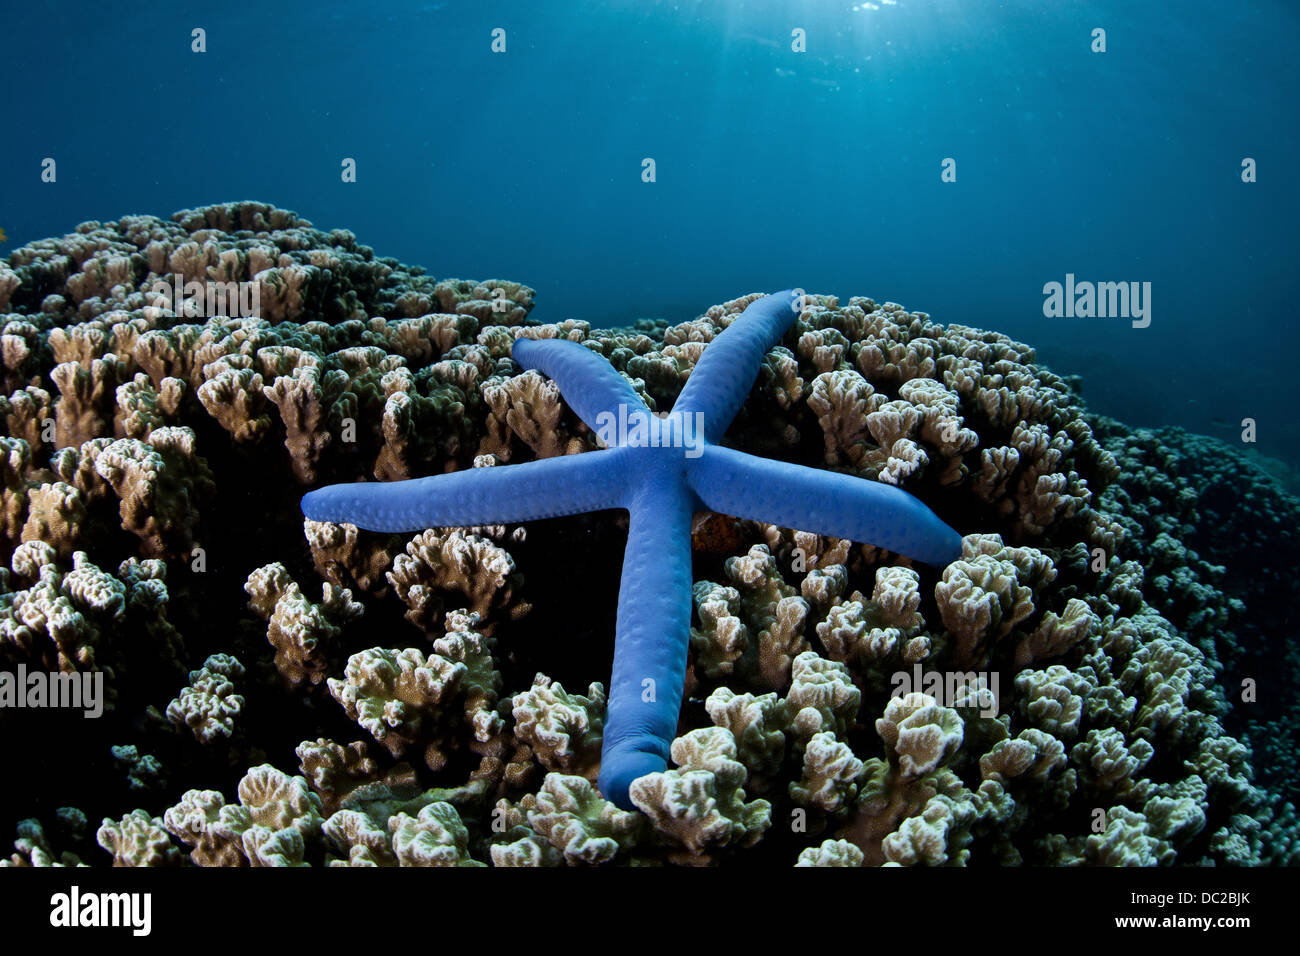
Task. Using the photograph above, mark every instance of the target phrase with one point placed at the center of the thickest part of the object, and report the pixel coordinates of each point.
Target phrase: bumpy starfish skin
(661, 482)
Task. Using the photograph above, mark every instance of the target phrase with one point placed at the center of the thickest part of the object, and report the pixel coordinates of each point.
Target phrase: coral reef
(1219, 534)
(660, 469)
(1103, 677)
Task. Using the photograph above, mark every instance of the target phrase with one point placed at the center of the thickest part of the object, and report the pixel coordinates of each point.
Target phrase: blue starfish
(661, 470)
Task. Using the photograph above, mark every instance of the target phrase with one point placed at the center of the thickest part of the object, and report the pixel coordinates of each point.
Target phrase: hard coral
(1109, 580)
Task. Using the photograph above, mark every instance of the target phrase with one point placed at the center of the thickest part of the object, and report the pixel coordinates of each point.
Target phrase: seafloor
(286, 693)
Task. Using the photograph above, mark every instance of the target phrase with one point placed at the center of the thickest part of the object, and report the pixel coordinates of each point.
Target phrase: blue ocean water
(774, 166)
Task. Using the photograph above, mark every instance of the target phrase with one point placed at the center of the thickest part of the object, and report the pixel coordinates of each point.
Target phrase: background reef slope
(287, 693)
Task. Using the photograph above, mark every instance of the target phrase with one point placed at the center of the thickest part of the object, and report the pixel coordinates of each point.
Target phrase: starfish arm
(654, 621)
(725, 372)
(823, 502)
(589, 384)
(546, 488)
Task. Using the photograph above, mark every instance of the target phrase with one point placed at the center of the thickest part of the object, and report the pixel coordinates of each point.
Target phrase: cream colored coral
(46, 610)
(823, 587)
(722, 638)
(987, 592)
(804, 550)
(436, 837)
(872, 631)
(893, 422)
(569, 813)
(85, 408)
(25, 413)
(920, 733)
(93, 590)
(1052, 699)
(844, 402)
(847, 634)
(452, 560)
(281, 291)
(824, 348)
(343, 556)
(906, 458)
(252, 832)
(358, 840)
(565, 730)
(821, 697)
(209, 705)
(701, 804)
(1056, 634)
(141, 408)
(56, 513)
(1111, 760)
(305, 399)
(831, 853)
(1033, 753)
(922, 840)
(398, 696)
(755, 724)
(300, 631)
(33, 848)
(9, 281)
(137, 840)
(529, 407)
(775, 615)
(236, 398)
(481, 683)
(159, 483)
(830, 773)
